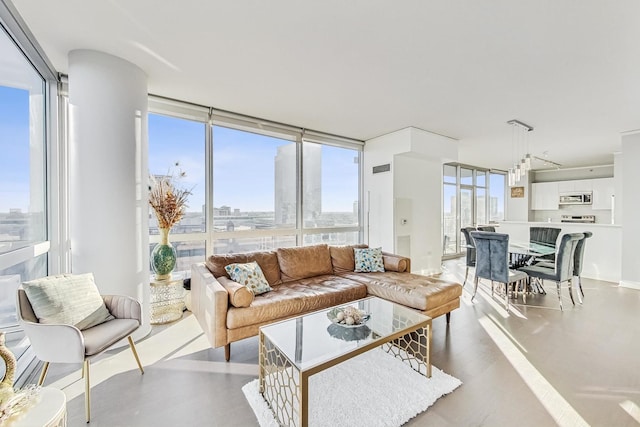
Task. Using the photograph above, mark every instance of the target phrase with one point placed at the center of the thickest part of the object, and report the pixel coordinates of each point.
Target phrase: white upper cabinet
(603, 190)
(544, 196)
(576, 186)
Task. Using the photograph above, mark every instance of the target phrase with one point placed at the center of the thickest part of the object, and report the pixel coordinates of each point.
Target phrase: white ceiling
(363, 68)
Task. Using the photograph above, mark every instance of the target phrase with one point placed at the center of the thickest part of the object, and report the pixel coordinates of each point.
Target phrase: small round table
(167, 299)
(49, 411)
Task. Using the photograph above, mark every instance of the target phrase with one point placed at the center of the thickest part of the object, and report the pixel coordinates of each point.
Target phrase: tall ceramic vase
(163, 256)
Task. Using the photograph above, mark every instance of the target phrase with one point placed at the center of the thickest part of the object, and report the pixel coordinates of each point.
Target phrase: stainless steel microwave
(576, 199)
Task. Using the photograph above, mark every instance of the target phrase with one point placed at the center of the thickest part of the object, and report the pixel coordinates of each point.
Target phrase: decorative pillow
(67, 299)
(249, 275)
(368, 260)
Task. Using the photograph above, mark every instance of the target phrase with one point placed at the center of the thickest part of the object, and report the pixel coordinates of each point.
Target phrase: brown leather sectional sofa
(305, 279)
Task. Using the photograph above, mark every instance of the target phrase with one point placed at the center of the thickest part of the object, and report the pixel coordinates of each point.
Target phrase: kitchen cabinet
(544, 196)
(603, 189)
(576, 186)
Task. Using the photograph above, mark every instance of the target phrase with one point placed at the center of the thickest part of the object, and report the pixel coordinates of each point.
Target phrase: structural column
(628, 207)
(108, 174)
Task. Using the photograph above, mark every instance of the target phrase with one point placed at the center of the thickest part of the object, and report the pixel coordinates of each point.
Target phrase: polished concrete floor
(536, 366)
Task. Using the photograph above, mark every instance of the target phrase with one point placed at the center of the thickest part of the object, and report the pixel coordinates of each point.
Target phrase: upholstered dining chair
(490, 228)
(578, 261)
(52, 341)
(471, 251)
(544, 235)
(562, 269)
(492, 263)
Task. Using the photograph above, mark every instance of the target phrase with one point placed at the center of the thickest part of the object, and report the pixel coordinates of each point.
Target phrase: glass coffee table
(294, 349)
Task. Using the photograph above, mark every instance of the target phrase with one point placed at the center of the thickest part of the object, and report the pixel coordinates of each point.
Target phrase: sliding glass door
(471, 196)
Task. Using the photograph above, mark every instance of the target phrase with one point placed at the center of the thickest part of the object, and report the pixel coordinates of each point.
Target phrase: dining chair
(492, 263)
(471, 251)
(490, 228)
(62, 343)
(545, 235)
(578, 260)
(563, 267)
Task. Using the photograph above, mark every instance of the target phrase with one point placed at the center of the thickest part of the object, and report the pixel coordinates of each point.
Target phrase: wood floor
(536, 366)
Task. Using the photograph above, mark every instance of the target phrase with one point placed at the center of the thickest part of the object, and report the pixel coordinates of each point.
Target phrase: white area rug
(373, 389)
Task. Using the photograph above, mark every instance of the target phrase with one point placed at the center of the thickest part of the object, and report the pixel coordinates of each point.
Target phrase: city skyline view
(14, 140)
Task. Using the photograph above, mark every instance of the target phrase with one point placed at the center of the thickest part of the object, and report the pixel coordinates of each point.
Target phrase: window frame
(214, 117)
(474, 197)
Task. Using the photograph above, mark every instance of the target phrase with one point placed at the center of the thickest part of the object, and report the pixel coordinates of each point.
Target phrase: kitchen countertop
(563, 224)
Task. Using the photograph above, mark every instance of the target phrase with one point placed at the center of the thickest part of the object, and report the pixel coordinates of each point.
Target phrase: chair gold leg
(135, 353)
(87, 390)
(43, 374)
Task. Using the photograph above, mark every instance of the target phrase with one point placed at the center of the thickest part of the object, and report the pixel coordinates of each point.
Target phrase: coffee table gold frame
(285, 387)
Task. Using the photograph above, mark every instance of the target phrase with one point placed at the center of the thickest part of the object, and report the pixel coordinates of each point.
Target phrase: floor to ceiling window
(24, 241)
(330, 197)
(255, 190)
(471, 196)
(255, 185)
(177, 148)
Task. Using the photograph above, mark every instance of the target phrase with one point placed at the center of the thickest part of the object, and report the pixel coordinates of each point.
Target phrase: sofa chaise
(305, 279)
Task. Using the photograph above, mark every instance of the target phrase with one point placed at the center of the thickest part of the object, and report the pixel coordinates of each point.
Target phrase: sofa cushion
(69, 299)
(295, 298)
(249, 275)
(413, 290)
(368, 260)
(342, 258)
(268, 262)
(239, 295)
(302, 262)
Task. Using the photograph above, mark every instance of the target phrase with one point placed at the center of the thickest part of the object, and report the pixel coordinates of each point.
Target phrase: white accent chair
(59, 343)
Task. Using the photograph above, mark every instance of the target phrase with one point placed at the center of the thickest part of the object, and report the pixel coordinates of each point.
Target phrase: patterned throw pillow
(368, 260)
(249, 275)
(69, 299)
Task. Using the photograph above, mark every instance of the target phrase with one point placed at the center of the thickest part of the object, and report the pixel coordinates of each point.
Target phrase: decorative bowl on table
(348, 317)
(349, 334)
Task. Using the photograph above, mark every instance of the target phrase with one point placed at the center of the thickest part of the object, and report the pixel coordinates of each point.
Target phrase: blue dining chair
(563, 267)
(471, 251)
(578, 261)
(547, 236)
(492, 262)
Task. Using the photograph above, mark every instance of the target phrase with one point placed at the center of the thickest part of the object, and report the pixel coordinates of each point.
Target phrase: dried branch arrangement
(167, 199)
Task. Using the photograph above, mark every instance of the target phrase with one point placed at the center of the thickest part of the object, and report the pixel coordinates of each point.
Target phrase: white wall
(630, 207)
(411, 191)
(418, 190)
(517, 208)
(617, 183)
(378, 188)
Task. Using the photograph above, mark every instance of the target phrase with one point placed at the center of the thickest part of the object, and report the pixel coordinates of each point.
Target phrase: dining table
(525, 253)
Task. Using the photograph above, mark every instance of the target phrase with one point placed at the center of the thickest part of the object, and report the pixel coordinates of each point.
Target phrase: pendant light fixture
(520, 144)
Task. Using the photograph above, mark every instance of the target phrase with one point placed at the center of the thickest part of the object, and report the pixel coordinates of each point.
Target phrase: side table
(167, 299)
(49, 411)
